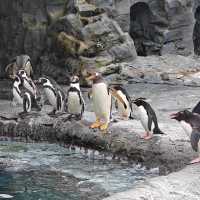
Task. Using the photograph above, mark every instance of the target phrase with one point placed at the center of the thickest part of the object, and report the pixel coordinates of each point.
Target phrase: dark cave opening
(196, 32)
(143, 30)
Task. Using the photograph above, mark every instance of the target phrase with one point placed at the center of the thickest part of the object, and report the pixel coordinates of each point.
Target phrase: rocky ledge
(122, 139)
(170, 152)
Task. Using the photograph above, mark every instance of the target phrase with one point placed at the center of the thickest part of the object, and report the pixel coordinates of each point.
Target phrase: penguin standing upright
(124, 111)
(190, 123)
(101, 96)
(54, 93)
(27, 82)
(27, 99)
(147, 117)
(74, 102)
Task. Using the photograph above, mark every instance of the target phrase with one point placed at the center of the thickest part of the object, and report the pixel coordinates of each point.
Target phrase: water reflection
(48, 171)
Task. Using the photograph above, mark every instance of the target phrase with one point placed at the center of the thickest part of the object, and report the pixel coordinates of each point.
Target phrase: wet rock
(180, 185)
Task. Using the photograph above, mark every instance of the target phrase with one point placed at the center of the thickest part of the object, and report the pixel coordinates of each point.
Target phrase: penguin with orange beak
(190, 123)
(101, 96)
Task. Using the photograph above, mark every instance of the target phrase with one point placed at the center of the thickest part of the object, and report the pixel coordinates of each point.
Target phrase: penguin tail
(157, 131)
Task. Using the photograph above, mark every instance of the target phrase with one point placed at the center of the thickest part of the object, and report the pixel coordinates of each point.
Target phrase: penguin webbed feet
(194, 161)
(96, 124)
(147, 136)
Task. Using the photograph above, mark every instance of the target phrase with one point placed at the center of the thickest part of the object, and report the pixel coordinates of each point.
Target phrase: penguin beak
(173, 115)
(90, 78)
(114, 93)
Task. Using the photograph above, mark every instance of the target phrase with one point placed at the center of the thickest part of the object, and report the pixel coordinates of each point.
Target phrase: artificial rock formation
(60, 36)
(157, 27)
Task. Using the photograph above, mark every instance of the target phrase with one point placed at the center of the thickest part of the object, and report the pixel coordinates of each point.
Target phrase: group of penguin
(101, 94)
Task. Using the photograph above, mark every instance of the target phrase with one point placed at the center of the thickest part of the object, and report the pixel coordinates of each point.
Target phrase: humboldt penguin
(190, 123)
(25, 98)
(124, 111)
(101, 96)
(27, 82)
(147, 117)
(54, 94)
(74, 102)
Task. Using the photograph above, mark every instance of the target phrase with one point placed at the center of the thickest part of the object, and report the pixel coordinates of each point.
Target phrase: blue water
(49, 171)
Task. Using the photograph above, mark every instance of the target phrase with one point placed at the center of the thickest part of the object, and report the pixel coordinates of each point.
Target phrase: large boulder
(69, 34)
(157, 27)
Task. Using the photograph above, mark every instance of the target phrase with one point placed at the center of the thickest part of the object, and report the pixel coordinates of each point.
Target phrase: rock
(71, 45)
(168, 69)
(180, 185)
(157, 27)
(19, 62)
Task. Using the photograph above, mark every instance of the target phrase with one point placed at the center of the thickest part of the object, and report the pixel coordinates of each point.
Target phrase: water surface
(49, 171)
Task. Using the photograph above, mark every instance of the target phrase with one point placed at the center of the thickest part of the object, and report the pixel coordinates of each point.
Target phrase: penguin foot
(104, 127)
(147, 136)
(96, 124)
(196, 160)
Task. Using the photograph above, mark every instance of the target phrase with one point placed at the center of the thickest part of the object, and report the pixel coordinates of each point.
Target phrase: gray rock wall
(158, 27)
(60, 36)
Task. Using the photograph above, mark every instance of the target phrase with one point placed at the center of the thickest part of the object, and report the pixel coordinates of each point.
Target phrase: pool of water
(49, 171)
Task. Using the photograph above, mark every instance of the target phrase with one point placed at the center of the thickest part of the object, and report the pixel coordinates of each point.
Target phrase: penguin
(101, 97)
(190, 123)
(196, 109)
(27, 99)
(74, 102)
(27, 82)
(124, 111)
(147, 117)
(54, 93)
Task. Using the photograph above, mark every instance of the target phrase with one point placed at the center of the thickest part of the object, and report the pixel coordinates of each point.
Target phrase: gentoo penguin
(147, 117)
(26, 98)
(101, 97)
(74, 102)
(27, 82)
(124, 111)
(190, 123)
(54, 93)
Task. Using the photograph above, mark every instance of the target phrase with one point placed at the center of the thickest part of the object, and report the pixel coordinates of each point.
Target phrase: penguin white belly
(186, 127)
(123, 111)
(143, 118)
(16, 97)
(51, 97)
(101, 101)
(74, 106)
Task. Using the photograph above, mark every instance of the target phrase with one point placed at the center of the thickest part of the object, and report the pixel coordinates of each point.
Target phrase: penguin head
(184, 115)
(94, 76)
(22, 73)
(74, 79)
(44, 80)
(139, 101)
(17, 80)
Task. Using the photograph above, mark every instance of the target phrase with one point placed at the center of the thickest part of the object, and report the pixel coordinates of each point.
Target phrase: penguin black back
(196, 109)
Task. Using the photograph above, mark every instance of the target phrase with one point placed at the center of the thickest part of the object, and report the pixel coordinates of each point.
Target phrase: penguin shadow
(31, 114)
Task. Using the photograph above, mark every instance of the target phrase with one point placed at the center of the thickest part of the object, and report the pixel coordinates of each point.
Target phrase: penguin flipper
(150, 120)
(194, 139)
(83, 105)
(196, 109)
